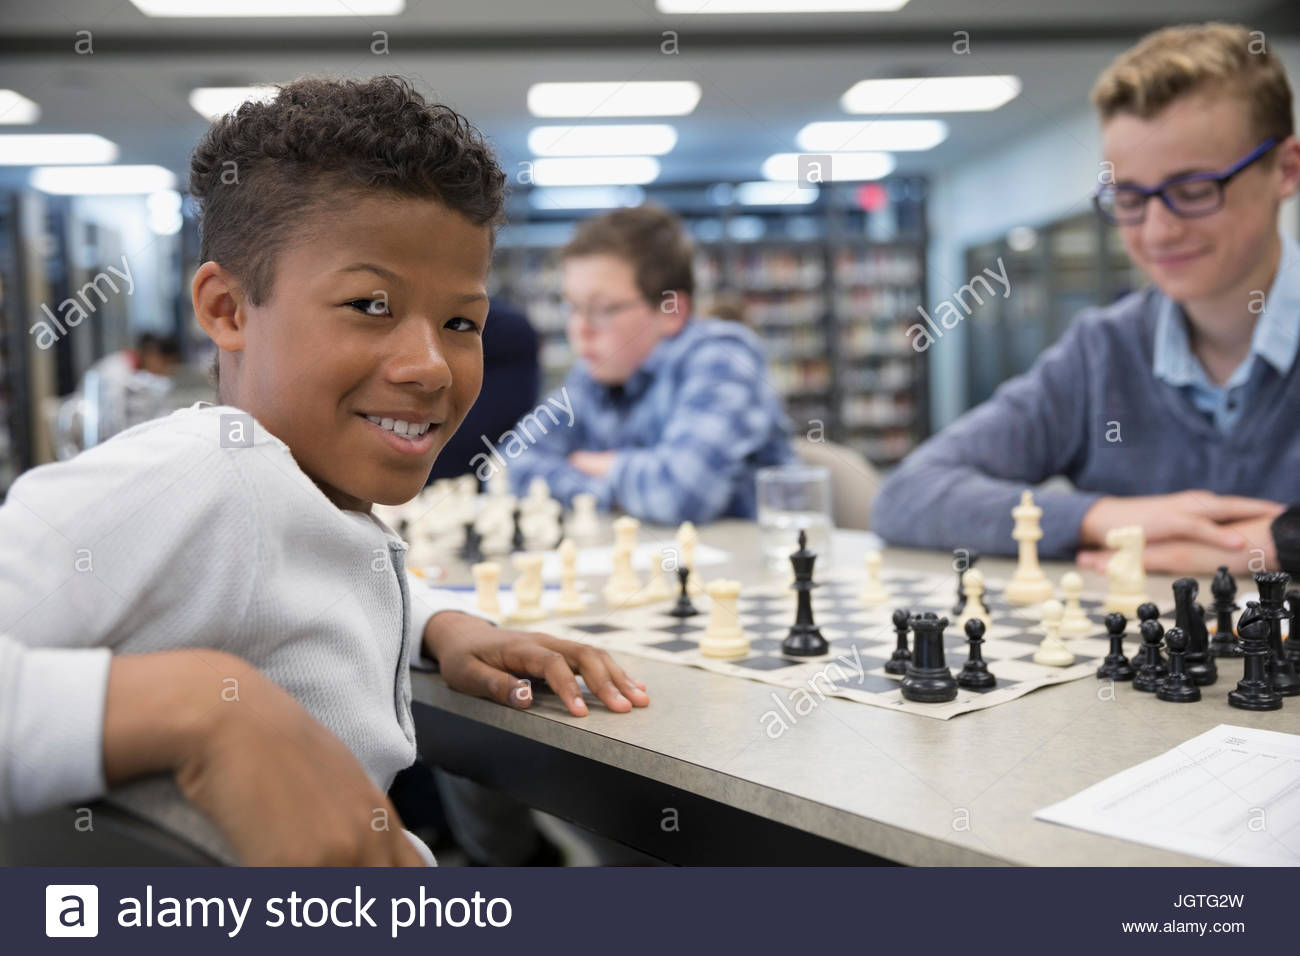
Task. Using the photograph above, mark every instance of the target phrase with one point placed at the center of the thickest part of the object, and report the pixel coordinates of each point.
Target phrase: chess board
(861, 641)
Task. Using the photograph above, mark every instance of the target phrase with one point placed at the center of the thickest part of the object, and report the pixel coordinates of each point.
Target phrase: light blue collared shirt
(1277, 332)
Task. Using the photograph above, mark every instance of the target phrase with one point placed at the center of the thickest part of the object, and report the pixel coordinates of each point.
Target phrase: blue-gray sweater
(1093, 410)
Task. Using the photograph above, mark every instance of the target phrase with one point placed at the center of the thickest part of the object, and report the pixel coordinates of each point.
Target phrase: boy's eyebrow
(391, 276)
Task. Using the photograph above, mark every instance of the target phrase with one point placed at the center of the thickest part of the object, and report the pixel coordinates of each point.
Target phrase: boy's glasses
(1187, 196)
(598, 315)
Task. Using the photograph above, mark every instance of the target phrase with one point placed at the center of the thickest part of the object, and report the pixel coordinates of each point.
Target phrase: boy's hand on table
(594, 463)
(478, 658)
(283, 789)
(1190, 532)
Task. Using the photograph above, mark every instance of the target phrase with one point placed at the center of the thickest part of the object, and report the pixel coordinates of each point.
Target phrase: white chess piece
(527, 589)
(1075, 621)
(1125, 572)
(624, 587)
(1052, 652)
(687, 538)
(585, 525)
(972, 587)
(874, 593)
(487, 576)
(723, 637)
(1028, 585)
(570, 601)
(659, 589)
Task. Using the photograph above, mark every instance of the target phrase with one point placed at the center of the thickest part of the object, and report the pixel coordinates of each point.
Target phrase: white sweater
(161, 538)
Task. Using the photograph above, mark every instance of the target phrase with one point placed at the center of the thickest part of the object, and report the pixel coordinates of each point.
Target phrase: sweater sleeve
(51, 726)
(547, 440)
(94, 549)
(958, 488)
(426, 601)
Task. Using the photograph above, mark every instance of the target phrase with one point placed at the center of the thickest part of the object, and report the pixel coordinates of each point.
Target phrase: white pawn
(723, 637)
(570, 601)
(972, 587)
(487, 576)
(1125, 571)
(585, 525)
(527, 589)
(687, 538)
(659, 589)
(1075, 622)
(874, 592)
(625, 529)
(1052, 652)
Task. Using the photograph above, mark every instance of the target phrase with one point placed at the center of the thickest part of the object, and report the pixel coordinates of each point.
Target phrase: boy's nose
(1160, 224)
(420, 359)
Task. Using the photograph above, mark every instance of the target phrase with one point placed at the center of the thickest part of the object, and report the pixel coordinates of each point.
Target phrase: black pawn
(683, 607)
(963, 559)
(517, 539)
(897, 663)
(1116, 666)
(1224, 589)
(1272, 596)
(1151, 667)
(1254, 691)
(928, 680)
(975, 673)
(1291, 646)
(1150, 612)
(805, 638)
(1178, 686)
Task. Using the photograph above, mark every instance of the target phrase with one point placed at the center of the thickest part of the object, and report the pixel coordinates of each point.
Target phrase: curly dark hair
(261, 171)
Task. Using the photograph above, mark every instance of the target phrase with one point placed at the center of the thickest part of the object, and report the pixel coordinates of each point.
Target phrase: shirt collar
(1276, 335)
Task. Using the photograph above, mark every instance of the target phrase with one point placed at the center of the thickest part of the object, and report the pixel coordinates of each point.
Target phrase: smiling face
(367, 354)
(1216, 259)
(611, 326)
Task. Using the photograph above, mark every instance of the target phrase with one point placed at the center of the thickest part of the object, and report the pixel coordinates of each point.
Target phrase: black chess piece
(517, 539)
(897, 663)
(1150, 612)
(963, 559)
(928, 679)
(1272, 597)
(975, 673)
(473, 547)
(1291, 646)
(1189, 617)
(1151, 666)
(1177, 686)
(1224, 589)
(1255, 690)
(1116, 666)
(683, 607)
(805, 638)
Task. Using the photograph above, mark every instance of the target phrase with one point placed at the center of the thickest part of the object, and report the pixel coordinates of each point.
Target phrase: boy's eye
(462, 324)
(375, 307)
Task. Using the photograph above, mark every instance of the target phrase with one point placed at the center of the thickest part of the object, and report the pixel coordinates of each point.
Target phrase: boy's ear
(676, 307)
(1288, 153)
(219, 306)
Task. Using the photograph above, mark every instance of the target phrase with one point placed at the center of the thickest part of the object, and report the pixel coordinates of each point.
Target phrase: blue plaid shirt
(689, 428)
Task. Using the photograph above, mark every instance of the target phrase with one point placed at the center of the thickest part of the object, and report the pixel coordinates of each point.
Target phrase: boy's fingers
(480, 679)
(1215, 535)
(540, 661)
(1237, 508)
(633, 690)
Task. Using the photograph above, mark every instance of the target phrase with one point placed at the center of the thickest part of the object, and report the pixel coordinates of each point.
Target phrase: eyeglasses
(1188, 196)
(599, 315)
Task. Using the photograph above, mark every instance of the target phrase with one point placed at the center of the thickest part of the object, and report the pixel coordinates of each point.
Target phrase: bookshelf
(830, 286)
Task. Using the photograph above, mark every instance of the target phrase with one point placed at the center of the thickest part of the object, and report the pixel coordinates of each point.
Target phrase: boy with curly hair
(347, 237)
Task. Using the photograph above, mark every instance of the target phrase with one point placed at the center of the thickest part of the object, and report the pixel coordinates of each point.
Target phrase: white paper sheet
(1231, 795)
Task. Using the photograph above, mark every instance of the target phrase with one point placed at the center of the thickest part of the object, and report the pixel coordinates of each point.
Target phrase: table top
(911, 789)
